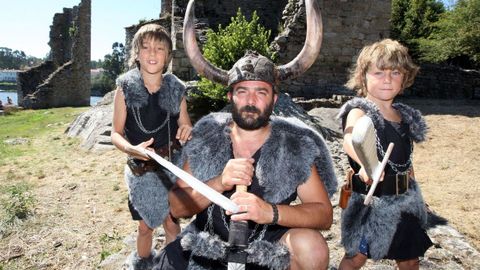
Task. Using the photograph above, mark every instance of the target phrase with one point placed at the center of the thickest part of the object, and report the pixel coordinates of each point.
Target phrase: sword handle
(241, 188)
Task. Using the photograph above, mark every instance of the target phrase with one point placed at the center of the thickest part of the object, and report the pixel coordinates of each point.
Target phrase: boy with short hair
(150, 112)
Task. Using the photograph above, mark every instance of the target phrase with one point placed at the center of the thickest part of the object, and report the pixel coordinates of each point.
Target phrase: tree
(456, 38)
(15, 59)
(224, 47)
(113, 65)
(412, 20)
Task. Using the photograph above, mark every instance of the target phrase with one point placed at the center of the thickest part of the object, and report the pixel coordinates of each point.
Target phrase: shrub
(223, 48)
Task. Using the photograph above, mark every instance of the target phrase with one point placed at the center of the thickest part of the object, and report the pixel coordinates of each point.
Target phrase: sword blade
(211, 194)
(236, 266)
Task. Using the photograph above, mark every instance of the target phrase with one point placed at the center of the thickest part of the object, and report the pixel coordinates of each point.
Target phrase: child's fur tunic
(285, 163)
(378, 222)
(149, 193)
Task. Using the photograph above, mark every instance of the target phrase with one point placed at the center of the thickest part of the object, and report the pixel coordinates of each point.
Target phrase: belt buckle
(401, 177)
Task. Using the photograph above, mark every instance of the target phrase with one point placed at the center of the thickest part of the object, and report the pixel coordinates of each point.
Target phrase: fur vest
(378, 222)
(170, 94)
(149, 192)
(285, 163)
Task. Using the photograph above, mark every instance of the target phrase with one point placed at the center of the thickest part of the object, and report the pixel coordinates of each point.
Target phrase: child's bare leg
(144, 240)
(355, 262)
(171, 227)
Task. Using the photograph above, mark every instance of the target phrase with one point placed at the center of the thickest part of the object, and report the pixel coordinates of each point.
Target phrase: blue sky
(25, 24)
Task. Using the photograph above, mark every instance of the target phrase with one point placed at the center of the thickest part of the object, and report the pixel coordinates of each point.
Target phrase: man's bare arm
(314, 212)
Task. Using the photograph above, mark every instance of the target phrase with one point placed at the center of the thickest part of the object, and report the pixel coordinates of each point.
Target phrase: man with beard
(278, 159)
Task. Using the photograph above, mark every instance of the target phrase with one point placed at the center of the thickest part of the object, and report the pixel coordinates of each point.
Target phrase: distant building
(8, 75)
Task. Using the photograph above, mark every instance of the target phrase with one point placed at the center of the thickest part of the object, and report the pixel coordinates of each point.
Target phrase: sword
(238, 241)
(365, 146)
(211, 194)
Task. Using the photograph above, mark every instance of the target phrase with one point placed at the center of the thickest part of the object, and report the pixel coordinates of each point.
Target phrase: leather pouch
(136, 168)
(346, 190)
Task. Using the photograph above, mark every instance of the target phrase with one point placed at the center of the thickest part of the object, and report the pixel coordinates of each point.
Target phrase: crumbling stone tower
(64, 79)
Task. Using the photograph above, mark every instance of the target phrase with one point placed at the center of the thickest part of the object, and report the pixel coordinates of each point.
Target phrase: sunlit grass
(18, 129)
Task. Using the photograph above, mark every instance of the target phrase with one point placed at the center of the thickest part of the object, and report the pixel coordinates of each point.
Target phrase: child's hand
(137, 151)
(184, 133)
(363, 175)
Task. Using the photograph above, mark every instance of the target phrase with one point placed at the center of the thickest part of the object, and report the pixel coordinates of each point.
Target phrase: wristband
(275, 214)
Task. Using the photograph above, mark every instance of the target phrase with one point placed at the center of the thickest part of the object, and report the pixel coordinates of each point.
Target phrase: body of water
(13, 96)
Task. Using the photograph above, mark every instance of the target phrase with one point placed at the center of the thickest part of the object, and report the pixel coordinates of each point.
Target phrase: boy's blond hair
(385, 54)
(146, 32)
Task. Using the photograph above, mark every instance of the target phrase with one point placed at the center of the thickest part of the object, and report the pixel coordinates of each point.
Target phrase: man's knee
(308, 249)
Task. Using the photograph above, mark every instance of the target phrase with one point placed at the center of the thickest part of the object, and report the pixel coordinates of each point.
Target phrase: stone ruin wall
(64, 79)
(347, 26)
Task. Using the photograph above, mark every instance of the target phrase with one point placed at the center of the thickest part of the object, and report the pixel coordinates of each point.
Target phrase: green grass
(110, 244)
(18, 202)
(8, 83)
(30, 124)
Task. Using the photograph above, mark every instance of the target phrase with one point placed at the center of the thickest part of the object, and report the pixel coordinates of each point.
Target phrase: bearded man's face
(252, 104)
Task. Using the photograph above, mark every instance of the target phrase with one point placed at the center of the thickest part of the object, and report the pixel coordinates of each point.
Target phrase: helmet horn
(311, 48)
(201, 65)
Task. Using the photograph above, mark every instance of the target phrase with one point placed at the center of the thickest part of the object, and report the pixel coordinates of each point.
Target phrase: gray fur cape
(285, 163)
(378, 222)
(148, 193)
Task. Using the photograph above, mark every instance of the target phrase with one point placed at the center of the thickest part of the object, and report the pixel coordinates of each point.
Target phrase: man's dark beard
(249, 123)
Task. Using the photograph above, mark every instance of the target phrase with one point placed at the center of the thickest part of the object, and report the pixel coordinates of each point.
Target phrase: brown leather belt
(391, 185)
(140, 167)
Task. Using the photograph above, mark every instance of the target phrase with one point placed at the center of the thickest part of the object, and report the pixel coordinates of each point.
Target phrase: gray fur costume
(284, 164)
(149, 192)
(378, 222)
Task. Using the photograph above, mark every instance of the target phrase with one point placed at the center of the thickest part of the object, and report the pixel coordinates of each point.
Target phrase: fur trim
(203, 244)
(135, 262)
(136, 95)
(412, 117)
(287, 154)
(378, 222)
(149, 195)
(272, 255)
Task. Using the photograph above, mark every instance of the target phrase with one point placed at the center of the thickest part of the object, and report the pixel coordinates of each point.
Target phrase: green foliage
(110, 244)
(15, 59)
(113, 65)
(96, 64)
(456, 38)
(18, 203)
(72, 31)
(414, 19)
(224, 47)
(102, 84)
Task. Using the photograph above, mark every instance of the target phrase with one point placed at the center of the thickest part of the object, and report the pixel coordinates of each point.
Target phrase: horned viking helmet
(253, 66)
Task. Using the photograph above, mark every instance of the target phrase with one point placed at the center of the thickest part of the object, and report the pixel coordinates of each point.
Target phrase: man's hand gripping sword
(365, 146)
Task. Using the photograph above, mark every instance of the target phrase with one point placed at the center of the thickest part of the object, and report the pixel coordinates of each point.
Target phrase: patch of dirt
(447, 163)
(81, 212)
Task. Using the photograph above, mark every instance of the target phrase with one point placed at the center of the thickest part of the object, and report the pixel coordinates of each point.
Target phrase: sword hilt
(238, 240)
